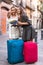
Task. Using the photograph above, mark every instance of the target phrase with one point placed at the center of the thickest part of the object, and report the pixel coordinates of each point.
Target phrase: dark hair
(21, 11)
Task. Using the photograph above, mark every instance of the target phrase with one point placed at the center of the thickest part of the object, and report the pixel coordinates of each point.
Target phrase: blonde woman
(13, 19)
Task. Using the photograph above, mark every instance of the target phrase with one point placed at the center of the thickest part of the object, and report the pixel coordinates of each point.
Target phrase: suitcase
(30, 52)
(15, 51)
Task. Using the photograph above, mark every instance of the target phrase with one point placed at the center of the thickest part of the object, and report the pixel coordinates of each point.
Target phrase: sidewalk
(3, 51)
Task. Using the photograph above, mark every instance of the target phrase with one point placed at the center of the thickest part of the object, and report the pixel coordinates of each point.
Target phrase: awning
(5, 8)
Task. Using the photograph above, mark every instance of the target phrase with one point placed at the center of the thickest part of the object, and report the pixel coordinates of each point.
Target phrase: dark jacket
(28, 30)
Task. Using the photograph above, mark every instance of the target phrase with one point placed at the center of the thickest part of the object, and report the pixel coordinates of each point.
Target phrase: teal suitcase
(15, 51)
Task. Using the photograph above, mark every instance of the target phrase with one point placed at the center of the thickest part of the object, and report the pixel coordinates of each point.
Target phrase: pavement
(3, 51)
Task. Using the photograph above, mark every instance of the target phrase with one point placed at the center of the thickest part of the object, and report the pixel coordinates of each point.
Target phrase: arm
(22, 23)
(8, 15)
(23, 20)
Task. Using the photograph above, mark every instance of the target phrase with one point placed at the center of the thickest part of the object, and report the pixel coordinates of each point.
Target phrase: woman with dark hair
(28, 30)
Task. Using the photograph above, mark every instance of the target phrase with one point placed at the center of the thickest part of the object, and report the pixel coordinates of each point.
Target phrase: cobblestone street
(3, 51)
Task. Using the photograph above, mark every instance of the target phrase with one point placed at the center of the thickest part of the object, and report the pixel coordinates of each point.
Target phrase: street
(3, 51)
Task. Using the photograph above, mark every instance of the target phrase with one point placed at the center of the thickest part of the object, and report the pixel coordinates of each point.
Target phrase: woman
(13, 19)
(28, 31)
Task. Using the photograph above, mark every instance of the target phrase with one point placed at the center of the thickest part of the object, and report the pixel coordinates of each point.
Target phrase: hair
(21, 10)
(15, 8)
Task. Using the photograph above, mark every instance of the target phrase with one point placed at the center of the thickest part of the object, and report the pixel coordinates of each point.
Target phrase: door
(3, 22)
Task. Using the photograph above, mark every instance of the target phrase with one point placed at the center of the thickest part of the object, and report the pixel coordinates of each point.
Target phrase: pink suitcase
(30, 52)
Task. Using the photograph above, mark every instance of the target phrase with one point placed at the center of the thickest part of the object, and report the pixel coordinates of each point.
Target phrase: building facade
(3, 16)
(31, 9)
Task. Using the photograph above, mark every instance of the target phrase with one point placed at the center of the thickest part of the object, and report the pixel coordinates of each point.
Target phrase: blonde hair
(15, 10)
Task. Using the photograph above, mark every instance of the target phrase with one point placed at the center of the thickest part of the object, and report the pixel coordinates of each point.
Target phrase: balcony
(40, 8)
(30, 5)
